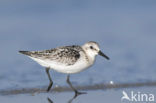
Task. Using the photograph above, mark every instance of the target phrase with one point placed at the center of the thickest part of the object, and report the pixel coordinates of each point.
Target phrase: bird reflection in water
(70, 101)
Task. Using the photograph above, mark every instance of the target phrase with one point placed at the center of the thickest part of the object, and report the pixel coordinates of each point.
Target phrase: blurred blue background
(125, 30)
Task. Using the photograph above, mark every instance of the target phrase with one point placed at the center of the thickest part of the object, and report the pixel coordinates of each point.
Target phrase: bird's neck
(91, 58)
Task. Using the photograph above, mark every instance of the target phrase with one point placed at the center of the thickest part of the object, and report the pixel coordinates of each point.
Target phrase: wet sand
(111, 94)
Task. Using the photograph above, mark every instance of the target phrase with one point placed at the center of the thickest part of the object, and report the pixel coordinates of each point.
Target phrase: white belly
(79, 66)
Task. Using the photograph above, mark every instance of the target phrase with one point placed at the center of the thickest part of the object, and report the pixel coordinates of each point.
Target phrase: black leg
(49, 100)
(51, 82)
(76, 91)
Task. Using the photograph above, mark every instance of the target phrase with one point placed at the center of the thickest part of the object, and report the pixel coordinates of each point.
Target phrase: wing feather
(67, 55)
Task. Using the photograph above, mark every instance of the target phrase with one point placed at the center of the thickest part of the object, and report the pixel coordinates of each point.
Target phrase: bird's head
(92, 49)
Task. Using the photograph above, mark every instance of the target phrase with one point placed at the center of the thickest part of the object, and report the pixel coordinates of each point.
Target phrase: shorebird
(67, 59)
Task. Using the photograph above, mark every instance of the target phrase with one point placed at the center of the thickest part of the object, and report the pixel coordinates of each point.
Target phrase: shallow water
(98, 96)
(124, 30)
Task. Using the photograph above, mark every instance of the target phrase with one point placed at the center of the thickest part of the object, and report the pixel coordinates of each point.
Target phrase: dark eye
(91, 47)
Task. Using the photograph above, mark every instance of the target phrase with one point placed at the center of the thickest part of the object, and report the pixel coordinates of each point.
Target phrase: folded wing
(67, 55)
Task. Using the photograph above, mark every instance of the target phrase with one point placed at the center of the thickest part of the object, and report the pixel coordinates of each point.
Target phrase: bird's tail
(25, 52)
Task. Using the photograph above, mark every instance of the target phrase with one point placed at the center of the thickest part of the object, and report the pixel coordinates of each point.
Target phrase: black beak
(102, 54)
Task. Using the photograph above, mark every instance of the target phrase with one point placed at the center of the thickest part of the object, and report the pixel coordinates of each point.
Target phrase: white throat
(91, 57)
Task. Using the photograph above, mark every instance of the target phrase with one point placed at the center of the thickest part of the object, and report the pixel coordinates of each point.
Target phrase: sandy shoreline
(67, 89)
(99, 93)
(92, 96)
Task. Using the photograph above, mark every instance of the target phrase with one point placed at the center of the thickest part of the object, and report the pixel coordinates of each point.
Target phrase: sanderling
(67, 59)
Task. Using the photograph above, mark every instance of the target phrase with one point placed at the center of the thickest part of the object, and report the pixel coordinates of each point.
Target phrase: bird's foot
(77, 93)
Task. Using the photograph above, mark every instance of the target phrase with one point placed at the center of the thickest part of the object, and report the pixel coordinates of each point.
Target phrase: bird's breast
(80, 65)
